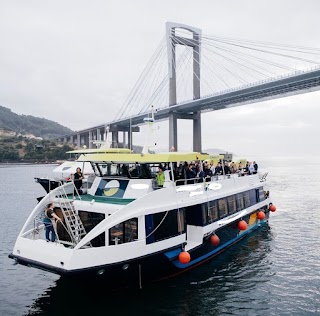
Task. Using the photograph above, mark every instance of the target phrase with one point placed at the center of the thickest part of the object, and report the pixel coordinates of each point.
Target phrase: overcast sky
(75, 61)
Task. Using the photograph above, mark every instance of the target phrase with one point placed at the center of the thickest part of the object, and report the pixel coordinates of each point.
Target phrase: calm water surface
(275, 271)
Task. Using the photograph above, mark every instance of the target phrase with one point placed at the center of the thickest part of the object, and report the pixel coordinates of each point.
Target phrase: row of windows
(171, 223)
(174, 222)
(207, 213)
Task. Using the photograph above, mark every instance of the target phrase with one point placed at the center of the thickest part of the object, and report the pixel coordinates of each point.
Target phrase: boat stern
(49, 256)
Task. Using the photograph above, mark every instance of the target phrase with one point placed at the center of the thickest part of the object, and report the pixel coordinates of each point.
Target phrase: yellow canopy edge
(100, 150)
(143, 158)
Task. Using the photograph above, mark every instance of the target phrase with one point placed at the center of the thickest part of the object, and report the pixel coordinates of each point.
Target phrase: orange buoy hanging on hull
(215, 240)
(242, 225)
(272, 208)
(261, 215)
(184, 257)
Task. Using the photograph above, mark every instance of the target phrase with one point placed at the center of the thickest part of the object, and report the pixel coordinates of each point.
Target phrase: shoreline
(29, 163)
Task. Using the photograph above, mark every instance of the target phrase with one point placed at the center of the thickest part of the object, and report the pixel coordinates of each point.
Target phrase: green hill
(28, 124)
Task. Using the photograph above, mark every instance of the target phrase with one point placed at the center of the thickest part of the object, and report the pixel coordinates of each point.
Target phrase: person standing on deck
(160, 177)
(251, 168)
(49, 222)
(78, 176)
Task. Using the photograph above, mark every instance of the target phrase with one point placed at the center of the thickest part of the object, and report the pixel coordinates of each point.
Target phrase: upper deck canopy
(101, 150)
(143, 158)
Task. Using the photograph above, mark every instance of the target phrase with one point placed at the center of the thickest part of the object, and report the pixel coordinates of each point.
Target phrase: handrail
(203, 179)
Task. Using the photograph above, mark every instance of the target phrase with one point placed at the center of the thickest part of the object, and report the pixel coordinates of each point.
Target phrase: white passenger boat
(129, 231)
(64, 172)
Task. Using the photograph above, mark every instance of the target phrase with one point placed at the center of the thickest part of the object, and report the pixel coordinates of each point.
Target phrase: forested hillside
(27, 124)
(25, 138)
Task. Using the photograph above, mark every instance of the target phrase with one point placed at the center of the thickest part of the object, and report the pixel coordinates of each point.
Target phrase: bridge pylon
(194, 42)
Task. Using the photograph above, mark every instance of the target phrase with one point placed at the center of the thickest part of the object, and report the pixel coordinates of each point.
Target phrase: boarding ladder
(73, 222)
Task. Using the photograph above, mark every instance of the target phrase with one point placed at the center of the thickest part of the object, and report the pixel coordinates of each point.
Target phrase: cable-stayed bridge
(191, 73)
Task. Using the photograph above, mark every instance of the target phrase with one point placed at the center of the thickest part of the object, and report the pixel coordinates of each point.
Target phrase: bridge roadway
(298, 83)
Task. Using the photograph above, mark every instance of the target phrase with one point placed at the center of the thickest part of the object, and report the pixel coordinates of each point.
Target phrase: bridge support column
(90, 139)
(130, 139)
(115, 139)
(197, 132)
(172, 41)
(173, 132)
(98, 134)
(124, 139)
(85, 141)
(115, 129)
(78, 140)
(106, 131)
(71, 140)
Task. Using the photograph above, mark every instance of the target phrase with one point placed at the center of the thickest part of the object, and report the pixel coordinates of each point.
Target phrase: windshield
(130, 170)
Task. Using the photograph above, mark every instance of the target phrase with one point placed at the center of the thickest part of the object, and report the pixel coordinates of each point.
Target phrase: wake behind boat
(133, 226)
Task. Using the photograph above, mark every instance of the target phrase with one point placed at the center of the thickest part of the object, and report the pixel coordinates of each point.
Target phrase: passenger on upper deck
(255, 167)
(77, 177)
(133, 172)
(251, 168)
(160, 177)
(218, 170)
(212, 168)
(124, 170)
(179, 172)
(247, 167)
(200, 173)
(191, 174)
(240, 171)
(233, 167)
(226, 168)
(207, 173)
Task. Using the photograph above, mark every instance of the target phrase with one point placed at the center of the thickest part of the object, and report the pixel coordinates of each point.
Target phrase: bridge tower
(194, 42)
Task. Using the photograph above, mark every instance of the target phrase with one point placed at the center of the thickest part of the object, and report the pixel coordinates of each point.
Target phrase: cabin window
(95, 169)
(168, 222)
(262, 195)
(232, 205)
(223, 208)
(124, 232)
(213, 212)
(181, 220)
(91, 220)
(196, 214)
(110, 169)
(165, 225)
(246, 196)
(240, 201)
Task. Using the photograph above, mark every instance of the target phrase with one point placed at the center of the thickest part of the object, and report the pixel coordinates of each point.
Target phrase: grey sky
(76, 61)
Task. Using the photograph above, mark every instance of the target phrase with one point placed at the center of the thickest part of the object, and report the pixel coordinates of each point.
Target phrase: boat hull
(157, 266)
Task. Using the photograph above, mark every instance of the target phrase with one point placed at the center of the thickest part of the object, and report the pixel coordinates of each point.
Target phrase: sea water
(274, 271)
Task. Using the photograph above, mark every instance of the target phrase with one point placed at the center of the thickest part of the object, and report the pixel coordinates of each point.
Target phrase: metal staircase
(73, 222)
